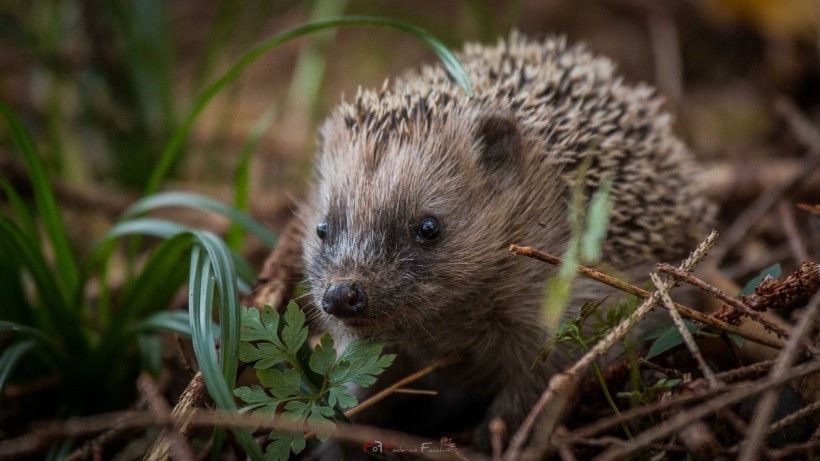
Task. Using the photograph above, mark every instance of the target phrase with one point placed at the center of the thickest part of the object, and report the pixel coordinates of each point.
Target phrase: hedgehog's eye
(321, 230)
(428, 230)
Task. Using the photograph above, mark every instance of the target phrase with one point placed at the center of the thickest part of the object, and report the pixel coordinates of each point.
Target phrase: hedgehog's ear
(500, 141)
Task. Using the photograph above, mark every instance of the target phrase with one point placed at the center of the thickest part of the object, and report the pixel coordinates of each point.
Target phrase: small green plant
(575, 332)
(96, 345)
(300, 384)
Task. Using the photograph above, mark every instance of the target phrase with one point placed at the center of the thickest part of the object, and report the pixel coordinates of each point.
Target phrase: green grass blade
(174, 148)
(201, 289)
(32, 333)
(152, 290)
(146, 226)
(242, 177)
(57, 314)
(26, 221)
(9, 359)
(178, 322)
(46, 204)
(158, 282)
(184, 199)
(600, 209)
(166, 229)
(15, 304)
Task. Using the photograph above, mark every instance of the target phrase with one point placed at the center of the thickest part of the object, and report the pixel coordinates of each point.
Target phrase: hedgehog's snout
(344, 298)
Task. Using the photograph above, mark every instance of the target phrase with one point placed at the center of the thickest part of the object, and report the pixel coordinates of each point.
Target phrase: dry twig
(779, 330)
(724, 399)
(765, 407)
(684, 332)
(564, 384)
(643, 294)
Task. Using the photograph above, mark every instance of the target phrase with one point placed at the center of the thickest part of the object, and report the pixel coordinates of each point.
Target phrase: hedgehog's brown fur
(494, 168)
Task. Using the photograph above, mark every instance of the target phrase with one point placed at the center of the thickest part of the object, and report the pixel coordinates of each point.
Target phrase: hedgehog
(420, 189)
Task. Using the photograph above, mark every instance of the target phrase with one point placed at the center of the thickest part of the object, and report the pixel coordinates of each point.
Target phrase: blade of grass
(166, 229)
(153, 289)
(46, 206)
(174, 148)
(184, 199)
(178, 322)
(26, 221)
(16, 306)
(159, 280)
(201, 292)
(242, 177)
(9, 359)
(61, 319)
(32, 333)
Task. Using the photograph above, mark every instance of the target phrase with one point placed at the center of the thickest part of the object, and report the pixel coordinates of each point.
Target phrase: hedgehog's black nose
(344, 298)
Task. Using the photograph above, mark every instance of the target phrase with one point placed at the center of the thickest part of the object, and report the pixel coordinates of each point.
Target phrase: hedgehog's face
(404, 236)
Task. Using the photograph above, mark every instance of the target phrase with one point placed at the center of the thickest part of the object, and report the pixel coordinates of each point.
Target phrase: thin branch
(180, 447)
(684, 332)
(375, 398)
(724, 399)
(791, 418)
(765, 407)
(786, 212)
(564, 384)
(643, 294)
(89, 425)
(780, 330)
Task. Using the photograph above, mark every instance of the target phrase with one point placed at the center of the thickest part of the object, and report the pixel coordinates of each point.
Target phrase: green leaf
(259, 401)
(241, 183)
(339, 372)
(47, 207)
(26, 221)
(365, 362)
(178, 322)
(184, 199)
(737, 339)
(265, 355)
(150, 348)
(283, 443)
(201, 295)
(295, 333)
(324, 355)
(342, 397)
(9, 359)
(318, 419)
(58, 318)
(670, 338)
(282, 384)
(34, 333)
(264, 327)
(253, 394)
(600, 208)
(174, 148)
(771, 271)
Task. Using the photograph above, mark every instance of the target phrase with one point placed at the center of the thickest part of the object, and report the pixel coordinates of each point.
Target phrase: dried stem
(180, 448)
(684, 332)
(89, 425)
(643, 294)
(782, 331)
(564, 384)
(372, 400)
(765, 408)
(786, 212)
(724, 399)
